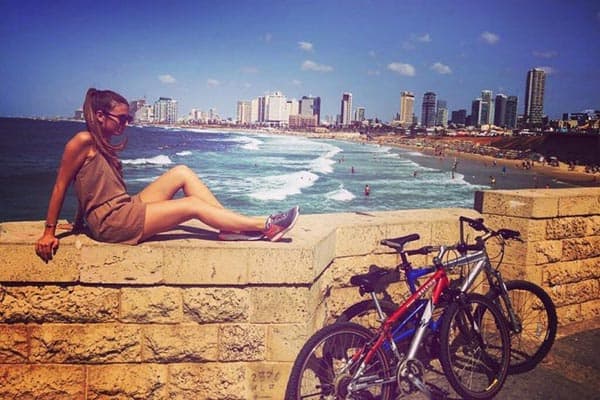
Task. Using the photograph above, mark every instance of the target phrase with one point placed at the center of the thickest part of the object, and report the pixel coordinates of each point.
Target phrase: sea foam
(279, 187)
(157, 160)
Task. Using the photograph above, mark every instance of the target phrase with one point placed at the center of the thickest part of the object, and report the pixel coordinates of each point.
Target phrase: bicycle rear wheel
(365, 314)
(474, 347)
(324, 367)
(537, 316)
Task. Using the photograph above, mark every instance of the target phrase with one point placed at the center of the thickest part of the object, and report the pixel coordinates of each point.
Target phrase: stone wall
(187, 317)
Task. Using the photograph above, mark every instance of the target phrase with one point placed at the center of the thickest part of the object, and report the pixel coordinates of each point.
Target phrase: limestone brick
(532, 230)
(280, 265)
(48, 382)
(242, 342)
(577, 249)
(180, 343)
(572, 271)
(574, 293)
(127, 381)
(593, 225)
(285, 341)
(528, 203)
(564, 228)
(108, 263)
(21, 264)
(532, 273)
(159, 304)
(58, 304)
(579, 205)
(14, 344)
(268, 380)
(569, 314)
(74, 343)
(548, 251)
(216, 304)
(208, 381)
(277, 305)
(360, 239)
(590, 309)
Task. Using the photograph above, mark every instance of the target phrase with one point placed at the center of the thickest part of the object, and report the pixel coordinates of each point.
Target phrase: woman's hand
(46, 246)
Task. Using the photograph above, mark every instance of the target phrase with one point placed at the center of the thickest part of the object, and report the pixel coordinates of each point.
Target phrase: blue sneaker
(279, 224)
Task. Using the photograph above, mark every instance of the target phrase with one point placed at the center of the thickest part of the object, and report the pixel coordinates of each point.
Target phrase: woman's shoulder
(81, 142)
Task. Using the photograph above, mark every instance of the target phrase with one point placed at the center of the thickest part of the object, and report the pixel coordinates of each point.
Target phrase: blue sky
(210, 54)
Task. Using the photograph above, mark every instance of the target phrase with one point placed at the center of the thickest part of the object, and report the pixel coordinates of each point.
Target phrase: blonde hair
(105, 101)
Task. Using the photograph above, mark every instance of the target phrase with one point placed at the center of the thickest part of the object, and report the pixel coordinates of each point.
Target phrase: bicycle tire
(474, 343)
(365, 314)
(316, 371)
(537, 313)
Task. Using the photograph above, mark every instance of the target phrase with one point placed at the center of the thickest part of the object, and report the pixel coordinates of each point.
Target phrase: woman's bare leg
(179, 177)
(164, 215)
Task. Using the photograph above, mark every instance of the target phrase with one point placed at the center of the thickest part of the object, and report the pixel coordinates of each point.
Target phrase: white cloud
(426, 38)
(545, 54)
(441, 68)
(489, 37)
(547, 70)
(167, 78)
(212, 83)
(309, 65)
(402, 69)
(296, 82)
(306, 46)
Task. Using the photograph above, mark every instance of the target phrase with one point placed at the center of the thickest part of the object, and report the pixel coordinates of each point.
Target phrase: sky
(211, 54)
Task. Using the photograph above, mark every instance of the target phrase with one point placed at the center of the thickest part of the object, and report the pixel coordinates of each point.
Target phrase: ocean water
(255, 174)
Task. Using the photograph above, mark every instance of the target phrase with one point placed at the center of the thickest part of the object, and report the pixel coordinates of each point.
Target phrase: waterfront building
(165, 110)
(276, 109)
(441, 115)
(135, 105)
(310, 105)
(359, 114)
(254, 111)
(407, 104)
(487, 108)
(346, 109)
(476, 112)
(510, 118)
(144, 114)
(244, 112)
(500, 110)
(302, 121)
(459, 117)
(428, 110)
(534, 96)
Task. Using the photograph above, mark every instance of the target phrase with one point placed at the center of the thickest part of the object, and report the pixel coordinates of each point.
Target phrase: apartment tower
(346, 111)
(407, 108)
(428, 110)
(534, 96)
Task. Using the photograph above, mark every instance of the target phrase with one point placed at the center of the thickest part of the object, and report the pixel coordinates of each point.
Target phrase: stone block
(581, 248)
(532, 230)
(527, 203)
(285, 341)
(242, 342)
(14, 344)
(572, 271)
(593, 225)
(127, 381)
(48, 382)
(575, 293)
(277, 305)
(210, 305)
(58, 304)
(568, 314)
(208, 381)
(119, 264)
(585, 203)
(548, 251)
(85, 344)
(277, 265)
(179, 343)
(590, 309)
(564, 228)
(159, 304)
(21, 264)
(268, 380)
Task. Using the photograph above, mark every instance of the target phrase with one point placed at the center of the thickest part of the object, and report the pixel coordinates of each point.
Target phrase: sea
(252, 173)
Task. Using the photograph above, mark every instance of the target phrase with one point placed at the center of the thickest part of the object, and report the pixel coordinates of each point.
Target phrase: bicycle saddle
(399, 242)
(376, 280)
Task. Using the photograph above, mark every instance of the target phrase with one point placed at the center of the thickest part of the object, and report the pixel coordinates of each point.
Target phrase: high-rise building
(346, 109)
(428, 110)
(407, 105)
(459, 117)
(359, 114)
(244, 112)
(441, 114)
(165, 110)
(487, 108)
(476, 112)
(510, 118)
(311, 106)
(534, 96)
(135, 105)
(276, 109)
(500, 110)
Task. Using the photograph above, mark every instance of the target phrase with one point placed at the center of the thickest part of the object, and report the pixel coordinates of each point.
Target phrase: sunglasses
(123, 118)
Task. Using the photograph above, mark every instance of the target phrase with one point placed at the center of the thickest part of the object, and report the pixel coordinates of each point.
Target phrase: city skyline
(210, 55)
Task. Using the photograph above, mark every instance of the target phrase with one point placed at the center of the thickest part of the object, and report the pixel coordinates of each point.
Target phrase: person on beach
(112, 215)
(367, 190)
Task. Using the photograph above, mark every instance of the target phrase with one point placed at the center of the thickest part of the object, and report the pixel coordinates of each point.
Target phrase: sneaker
(238, 236)
(279, 224)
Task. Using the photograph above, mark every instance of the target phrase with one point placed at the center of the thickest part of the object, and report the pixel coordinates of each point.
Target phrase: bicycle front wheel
(536, 315)
(326, 364)
(474, 347)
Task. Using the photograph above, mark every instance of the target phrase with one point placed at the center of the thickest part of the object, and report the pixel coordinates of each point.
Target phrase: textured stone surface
(180, 343)
(14, 344)
(127, 381)
(156, 304)
(209, 381)
(277, 305)
(242, 342)
(216, 304)
(48, 382)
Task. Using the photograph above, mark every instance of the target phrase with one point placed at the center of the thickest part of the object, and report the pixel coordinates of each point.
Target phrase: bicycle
(349, 361)
(529, 311)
